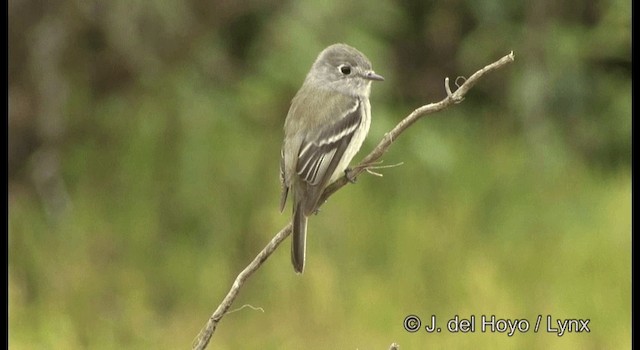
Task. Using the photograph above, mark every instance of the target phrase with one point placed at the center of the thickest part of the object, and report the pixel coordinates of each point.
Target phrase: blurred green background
(144, 141)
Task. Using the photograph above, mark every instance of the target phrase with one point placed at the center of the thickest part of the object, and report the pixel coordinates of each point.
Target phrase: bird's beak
(371, 75)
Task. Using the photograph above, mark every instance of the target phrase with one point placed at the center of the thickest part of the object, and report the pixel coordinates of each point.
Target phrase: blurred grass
(160, 180)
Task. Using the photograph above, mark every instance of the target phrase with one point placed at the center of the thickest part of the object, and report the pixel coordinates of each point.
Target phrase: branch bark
(203, 338)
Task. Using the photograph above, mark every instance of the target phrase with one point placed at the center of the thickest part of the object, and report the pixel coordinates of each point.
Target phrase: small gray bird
(327, 123)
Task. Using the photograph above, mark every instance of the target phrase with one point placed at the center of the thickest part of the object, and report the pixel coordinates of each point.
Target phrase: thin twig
(370, 169)
(254, 308)
(203, 338)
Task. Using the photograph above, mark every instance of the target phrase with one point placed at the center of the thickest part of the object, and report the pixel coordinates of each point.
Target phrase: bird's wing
(321, 151)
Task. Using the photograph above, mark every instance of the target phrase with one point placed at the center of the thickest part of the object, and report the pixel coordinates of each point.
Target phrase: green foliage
(143, 174)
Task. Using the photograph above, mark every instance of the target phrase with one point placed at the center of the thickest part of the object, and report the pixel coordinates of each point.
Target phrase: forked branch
(370, 161)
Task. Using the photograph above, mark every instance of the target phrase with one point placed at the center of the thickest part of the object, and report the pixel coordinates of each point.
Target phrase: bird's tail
(299, 238)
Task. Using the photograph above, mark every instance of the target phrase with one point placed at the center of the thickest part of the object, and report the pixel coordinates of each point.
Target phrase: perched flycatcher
(327, 122)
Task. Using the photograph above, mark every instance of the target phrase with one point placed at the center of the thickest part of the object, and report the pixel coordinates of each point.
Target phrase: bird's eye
(344, 69)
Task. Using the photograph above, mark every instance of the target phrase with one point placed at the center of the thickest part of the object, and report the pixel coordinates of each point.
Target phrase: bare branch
(387, 140)
(203, 338)
(205, 334)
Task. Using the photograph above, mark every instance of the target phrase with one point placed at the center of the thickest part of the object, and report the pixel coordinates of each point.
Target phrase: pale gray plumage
(327, 123)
